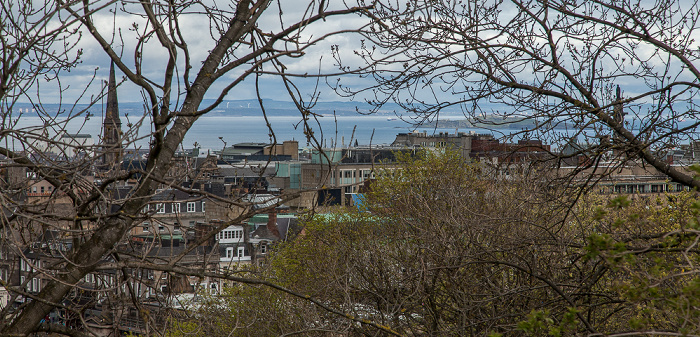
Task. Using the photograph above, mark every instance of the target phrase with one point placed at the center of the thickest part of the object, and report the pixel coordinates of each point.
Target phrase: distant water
(331, 130)
(210, 132)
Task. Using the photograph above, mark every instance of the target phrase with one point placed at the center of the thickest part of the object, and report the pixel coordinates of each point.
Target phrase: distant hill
(227, 108)
(248, 107)
(488, 121)
(282, 108)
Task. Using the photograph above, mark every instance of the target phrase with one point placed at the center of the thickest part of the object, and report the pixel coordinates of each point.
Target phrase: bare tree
(88, 203)
(442, 248)
(610, 80)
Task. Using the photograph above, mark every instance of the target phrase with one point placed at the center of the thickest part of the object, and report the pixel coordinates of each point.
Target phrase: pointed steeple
(112, 124)
(619, 117)
(112, 109)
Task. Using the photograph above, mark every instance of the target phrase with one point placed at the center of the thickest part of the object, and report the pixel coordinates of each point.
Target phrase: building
(174, 213)
(76, 145)
(112, 150)
(288, 150)
(338, 173)
(460, 141)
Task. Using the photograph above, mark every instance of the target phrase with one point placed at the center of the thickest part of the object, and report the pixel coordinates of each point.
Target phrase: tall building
(619, 117)
(111, 126)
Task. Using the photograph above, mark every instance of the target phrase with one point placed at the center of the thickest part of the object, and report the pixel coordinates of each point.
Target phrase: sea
(215, 132)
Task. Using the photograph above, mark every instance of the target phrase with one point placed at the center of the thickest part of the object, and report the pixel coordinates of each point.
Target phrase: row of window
(27, 266)
(33, 285)
(99, 281)
(240, 252)
(191, 207)
(350, 176)
(643, 188)
(44, 189)
(433, 144)
(230, 234)
(176, 226)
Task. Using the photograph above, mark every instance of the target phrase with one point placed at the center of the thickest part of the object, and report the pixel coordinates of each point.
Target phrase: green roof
(161, 236)
(262, 218)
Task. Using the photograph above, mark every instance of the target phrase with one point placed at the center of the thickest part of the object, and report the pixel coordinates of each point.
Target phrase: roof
(161, 236)
(263, 233)
(243, 151)
(173, 195)
(286, 223)
(260, 201)
(112, 109)
(76, 135)
(262, 218)
(251, 145)
(248, 171)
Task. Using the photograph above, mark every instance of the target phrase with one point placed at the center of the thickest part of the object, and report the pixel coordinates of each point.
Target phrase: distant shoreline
(489, 122)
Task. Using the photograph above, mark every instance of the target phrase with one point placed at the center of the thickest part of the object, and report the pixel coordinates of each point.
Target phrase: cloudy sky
(119, 27)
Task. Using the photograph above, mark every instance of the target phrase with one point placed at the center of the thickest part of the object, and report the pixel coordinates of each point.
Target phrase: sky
(195, 28)
(119, 25)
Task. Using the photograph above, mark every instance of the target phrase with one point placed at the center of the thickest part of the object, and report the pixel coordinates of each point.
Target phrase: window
(42, 189)
(241, 251)
(161, 228)
(348, 176)
(229, 253)
(176, 207)
(263, 248)
(25, 266)
(203, 203)
(146, 226)
(160, 207)
(33, 189)
(191, 207)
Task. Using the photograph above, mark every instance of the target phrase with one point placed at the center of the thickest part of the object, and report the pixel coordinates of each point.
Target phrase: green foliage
(648, 247)
(539, 323)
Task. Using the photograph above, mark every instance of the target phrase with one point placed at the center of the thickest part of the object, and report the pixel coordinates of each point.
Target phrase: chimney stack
(272, 223)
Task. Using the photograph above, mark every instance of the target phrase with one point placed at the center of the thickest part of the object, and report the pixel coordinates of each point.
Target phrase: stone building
(112, 150)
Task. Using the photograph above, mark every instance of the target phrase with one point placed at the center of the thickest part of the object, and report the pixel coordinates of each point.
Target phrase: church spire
(112, 110)
(112, 124)
(619, 118)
